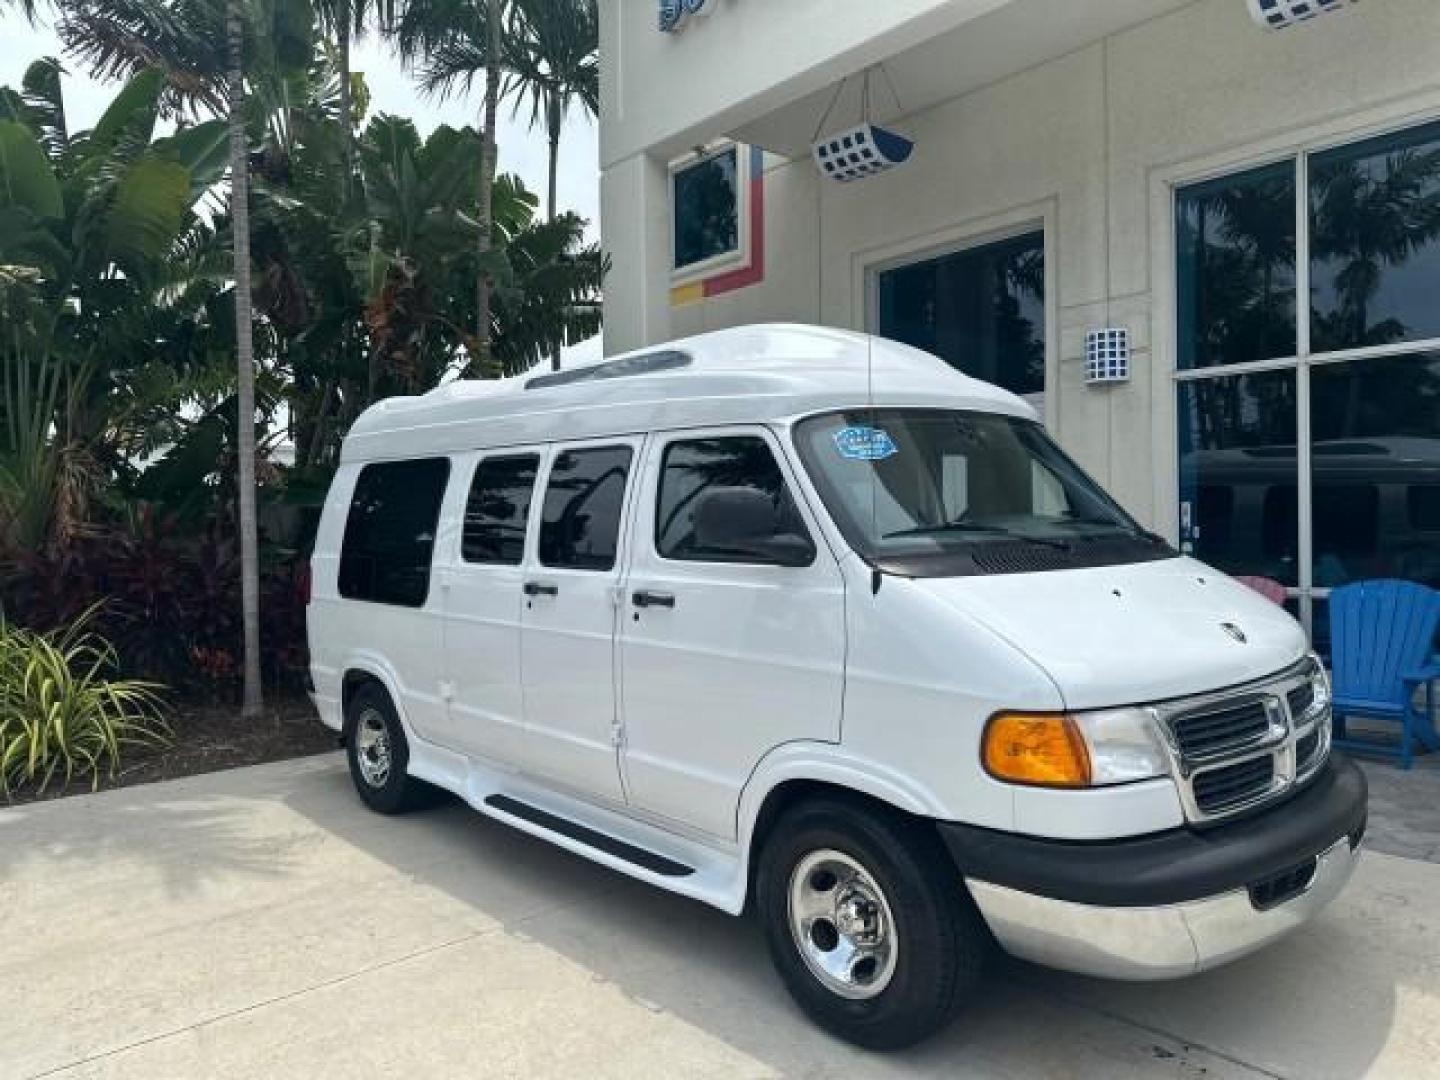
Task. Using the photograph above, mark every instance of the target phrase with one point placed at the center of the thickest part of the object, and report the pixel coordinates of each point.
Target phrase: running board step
(647, 860)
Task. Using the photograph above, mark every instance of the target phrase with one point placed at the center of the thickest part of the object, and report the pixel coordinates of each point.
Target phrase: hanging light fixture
(1279, 14)
(864, 149)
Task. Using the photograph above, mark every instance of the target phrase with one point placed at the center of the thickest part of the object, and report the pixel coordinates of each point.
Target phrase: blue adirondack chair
(1382, 642)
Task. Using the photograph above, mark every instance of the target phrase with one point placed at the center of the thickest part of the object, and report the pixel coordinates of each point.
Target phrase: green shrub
(60, 712)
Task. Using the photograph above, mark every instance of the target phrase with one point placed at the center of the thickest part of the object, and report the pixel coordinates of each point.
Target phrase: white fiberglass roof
(749, 374)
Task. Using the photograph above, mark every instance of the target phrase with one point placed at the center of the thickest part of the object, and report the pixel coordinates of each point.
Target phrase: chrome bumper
(1146, 943)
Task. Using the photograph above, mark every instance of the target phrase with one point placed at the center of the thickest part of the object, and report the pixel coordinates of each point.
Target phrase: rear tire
(868, 922)
(378, 752)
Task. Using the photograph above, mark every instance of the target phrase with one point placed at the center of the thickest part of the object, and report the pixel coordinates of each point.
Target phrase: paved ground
(260, 924)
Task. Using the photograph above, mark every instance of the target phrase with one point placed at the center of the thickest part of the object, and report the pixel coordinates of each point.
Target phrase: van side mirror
(784, 549)
(744, 522)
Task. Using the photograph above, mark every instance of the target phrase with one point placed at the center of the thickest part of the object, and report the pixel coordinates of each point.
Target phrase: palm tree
(348, 20)
(200, 47)
(452, 43)
(556, 66)
(253, 703)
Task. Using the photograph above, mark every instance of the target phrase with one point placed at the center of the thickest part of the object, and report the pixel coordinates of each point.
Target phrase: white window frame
(736, 259)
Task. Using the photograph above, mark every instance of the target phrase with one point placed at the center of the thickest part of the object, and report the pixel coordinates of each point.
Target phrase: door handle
(646, 598)
(536, 588)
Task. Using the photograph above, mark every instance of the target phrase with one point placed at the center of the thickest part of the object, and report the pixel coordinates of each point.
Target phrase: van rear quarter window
(390, 532)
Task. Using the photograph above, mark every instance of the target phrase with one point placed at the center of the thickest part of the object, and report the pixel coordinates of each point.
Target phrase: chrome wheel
(372, 747)
(842, 925)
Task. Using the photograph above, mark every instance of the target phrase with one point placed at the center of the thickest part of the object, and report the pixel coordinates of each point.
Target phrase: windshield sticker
(865, 444)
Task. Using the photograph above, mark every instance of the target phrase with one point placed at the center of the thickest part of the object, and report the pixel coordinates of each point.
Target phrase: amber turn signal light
(1044, 749)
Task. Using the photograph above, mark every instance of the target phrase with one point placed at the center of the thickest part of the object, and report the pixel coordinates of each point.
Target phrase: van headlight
(1073, 750)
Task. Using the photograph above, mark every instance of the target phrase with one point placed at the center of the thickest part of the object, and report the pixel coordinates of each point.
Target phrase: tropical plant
(208, 53)
(451, 43)
(103, 266)
(62, 714)
(555, 65)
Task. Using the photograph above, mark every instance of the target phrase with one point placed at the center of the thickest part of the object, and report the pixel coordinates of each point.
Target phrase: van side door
(571, 592)
(483, 603)
(733, 635)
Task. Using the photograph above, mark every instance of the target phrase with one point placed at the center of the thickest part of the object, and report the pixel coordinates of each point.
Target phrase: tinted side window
(390, 532)
(498, 509)
(694, 472)
(580, 528)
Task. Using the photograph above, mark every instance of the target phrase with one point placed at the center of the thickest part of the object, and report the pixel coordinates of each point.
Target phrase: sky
(521, 150)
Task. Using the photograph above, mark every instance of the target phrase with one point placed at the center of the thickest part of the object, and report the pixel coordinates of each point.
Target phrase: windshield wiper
(1135, 531)
(976, 527)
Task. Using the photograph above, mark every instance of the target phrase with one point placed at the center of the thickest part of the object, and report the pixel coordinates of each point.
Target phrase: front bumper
(1173, 904)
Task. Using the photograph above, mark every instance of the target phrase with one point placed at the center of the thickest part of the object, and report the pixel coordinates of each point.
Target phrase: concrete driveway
(260, 923)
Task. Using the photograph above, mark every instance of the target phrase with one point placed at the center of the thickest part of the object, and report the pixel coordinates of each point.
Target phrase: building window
(1375, 241)
(982, 310)
(706, 198)
(1357, 499)
(1235, 240)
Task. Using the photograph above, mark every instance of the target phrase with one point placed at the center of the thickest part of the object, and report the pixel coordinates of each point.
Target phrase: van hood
(1122, 635)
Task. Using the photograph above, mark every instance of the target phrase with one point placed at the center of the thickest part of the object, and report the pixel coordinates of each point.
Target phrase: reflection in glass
(1235, 250)
(1376, 431)
(1238, 506)
(981, 310)
(706, 208)
(1375, 241)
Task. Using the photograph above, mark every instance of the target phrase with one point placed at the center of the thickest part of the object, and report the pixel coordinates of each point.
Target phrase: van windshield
(929, 492)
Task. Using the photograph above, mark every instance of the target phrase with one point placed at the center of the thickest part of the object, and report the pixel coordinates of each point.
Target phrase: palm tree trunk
(553, 120)
(347, 107)
(254, 703)
(488, 155)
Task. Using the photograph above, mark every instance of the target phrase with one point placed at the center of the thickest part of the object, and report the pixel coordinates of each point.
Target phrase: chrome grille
(1217, 790)
(1205, 733)
(1240, 748)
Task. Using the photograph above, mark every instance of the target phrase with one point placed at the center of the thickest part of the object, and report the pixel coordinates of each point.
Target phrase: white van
(802, 620)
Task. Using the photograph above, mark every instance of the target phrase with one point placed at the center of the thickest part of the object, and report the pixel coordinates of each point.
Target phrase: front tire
(868, 922)
(378, 752)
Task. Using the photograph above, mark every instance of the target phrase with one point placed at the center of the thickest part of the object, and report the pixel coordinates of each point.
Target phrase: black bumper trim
(1176, 866)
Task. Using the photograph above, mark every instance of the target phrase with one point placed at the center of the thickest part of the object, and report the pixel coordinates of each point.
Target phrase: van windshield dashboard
(933, 492)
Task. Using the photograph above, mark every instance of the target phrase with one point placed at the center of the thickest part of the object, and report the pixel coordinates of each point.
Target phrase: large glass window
(580, 527)
(705, 201)
(390, 531)
(1235, 246)
(1360, 498)
(498, 509)
(1375, 241)
(703, 477)
(982, 310)
(1238, 505)
(1376, 469)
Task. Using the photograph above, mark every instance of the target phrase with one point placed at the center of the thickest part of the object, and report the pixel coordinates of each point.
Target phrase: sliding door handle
(536, 588)
(646, 598)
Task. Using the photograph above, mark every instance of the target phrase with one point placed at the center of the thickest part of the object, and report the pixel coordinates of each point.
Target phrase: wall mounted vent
(1107, 355)
(1279, 14)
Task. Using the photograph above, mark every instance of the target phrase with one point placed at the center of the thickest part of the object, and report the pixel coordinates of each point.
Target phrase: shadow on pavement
(1312, 1005)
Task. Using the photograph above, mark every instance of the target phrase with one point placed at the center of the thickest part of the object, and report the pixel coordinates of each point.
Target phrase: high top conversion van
(800, 620)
